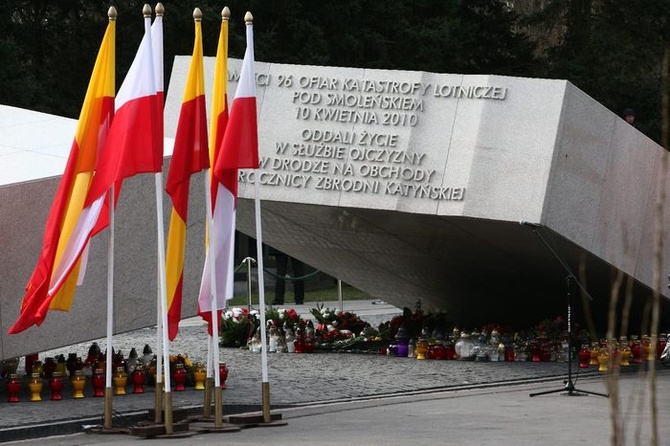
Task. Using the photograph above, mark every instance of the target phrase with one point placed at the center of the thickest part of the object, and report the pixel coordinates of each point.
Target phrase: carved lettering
(374, 101)
(356, 135)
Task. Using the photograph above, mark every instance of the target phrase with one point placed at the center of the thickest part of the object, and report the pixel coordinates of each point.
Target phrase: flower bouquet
(412, 321)
(335, 326)
(283, 318)
(238, 324)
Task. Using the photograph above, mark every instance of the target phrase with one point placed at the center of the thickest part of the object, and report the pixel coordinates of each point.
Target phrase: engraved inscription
(353, 136)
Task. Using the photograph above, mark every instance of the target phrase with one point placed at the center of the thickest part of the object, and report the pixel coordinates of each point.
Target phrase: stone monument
(408, 185)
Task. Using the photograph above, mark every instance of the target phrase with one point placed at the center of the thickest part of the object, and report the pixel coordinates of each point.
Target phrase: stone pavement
(478, 416)
(300, 384)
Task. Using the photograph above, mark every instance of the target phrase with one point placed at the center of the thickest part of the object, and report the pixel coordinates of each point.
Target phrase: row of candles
(621, 353)
(478, 347)
(78, 381)
(487, 347)
(54, 374)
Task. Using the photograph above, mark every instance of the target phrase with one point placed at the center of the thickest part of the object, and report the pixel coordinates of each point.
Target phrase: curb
(121, 421)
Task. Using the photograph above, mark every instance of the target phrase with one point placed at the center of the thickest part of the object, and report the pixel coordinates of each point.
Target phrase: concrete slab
(407, 185)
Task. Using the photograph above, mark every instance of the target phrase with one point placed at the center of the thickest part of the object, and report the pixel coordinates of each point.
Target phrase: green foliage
(283, 318)
(415, 322)
(58, 41)
(612, 50)
(320, 295)
(237, 326)
(339, 320)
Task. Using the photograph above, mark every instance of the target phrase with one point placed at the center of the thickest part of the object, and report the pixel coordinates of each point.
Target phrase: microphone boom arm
(536, 229)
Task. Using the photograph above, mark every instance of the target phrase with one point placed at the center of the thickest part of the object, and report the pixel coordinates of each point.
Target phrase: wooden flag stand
(108, 408)
(207, 404)
(158, 429)
(263, 419)
(205, 423)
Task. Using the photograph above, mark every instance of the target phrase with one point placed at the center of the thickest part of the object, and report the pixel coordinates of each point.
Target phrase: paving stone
(295, 379)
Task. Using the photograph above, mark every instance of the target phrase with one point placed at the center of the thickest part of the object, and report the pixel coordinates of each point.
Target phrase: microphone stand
(570, 281)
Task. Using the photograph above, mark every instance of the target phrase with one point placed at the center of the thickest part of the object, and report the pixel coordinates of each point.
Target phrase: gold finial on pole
(160, 9)
(146, 10)
(225, 13)
(111, 13)
(248, 18)
(197, 15)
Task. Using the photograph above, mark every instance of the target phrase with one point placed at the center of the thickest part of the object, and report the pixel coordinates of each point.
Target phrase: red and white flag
(238, 150)
(135, 141)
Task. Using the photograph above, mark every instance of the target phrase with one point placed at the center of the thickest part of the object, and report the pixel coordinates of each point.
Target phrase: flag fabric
(132, 145)
(219, 97)
(190, 155)
(239, 147)
(238, 150)
(55, 277)
(135, 141)
(217, 130)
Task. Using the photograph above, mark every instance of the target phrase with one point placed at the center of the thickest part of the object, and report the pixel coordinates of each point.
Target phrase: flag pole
(158, 398)
(265, 384)
(209, 381)
(218, 416)
(107, 421)
(158, 183)
(110, 314)
(159, 388)
(213, 376)
(163, 290)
